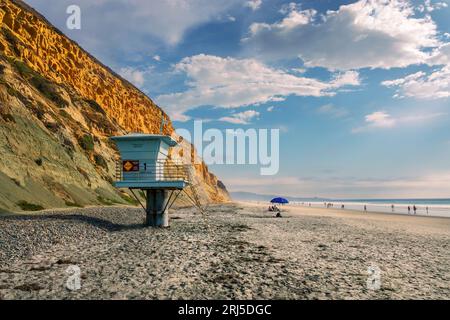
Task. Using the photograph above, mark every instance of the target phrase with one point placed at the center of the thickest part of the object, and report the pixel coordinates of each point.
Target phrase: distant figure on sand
(427, 209)
(415, 209)
(342, 207)
(275, 208)
(365, 208)
(393, 208)
(409, 210)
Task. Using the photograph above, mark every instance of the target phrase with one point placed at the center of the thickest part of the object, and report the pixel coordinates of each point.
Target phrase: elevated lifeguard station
(144, 165)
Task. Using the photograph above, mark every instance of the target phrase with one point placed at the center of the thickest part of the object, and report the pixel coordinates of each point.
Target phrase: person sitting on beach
(342, 206)
(278, 212)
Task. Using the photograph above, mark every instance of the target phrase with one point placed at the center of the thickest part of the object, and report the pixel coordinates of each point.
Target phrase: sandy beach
(238, 251)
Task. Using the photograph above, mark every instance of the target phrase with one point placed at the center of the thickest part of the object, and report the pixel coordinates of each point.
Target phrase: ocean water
(425, 207)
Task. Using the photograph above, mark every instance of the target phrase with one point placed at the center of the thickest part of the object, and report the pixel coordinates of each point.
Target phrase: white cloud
(135, 76)
(298, 70)
(248, 181)
(270, 109)
(156, 58)
(333, 111)
(421, 85)
(241, 118)
(368, 33)
(253, 4)
(437, 181)
(346, 78)
(441, 55)
(429, 6)
(232, 83)
(382, 119)
(435, 85)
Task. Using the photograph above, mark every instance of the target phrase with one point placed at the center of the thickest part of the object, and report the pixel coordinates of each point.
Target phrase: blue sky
(359, 89)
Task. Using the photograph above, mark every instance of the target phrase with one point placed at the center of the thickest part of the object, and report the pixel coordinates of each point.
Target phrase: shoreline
(388, 220)
(347, 209)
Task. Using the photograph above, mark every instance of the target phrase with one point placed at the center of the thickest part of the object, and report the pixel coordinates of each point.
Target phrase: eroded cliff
(58, 107)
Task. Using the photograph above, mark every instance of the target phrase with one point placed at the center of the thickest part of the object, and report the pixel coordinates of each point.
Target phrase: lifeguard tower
(144, 165)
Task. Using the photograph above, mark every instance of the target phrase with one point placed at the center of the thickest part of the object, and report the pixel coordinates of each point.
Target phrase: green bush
(106, 202)
(73, 204)
(8, 117)
(12, 39)
(129, 199)
(26, 206)
(48, 89)
(86, 142)
(100, 161)
(94, 105)
(23, 69)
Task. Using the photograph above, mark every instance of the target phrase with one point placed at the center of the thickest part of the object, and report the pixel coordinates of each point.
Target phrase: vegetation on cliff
(58, 108)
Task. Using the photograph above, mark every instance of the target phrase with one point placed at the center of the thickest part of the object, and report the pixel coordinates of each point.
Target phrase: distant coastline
(242, 195)
(438, 207)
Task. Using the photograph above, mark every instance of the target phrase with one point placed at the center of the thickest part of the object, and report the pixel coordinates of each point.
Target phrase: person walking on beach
(427, 209)
(392, 207)
(409, 210)
(365, 208)
(415, 209)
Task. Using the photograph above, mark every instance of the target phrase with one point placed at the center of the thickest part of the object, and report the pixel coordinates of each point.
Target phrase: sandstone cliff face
(58, 107)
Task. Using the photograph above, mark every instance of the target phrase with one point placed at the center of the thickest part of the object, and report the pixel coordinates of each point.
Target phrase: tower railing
(149, 172)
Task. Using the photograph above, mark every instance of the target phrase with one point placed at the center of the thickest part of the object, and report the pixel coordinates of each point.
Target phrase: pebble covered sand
(238, 251)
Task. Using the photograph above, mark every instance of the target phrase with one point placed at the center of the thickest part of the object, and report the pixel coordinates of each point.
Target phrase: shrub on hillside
(86, 142)
(100, 161)
(26, 206)
(48, 90)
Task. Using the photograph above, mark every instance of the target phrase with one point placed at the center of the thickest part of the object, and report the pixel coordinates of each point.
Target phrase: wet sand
(238, 251)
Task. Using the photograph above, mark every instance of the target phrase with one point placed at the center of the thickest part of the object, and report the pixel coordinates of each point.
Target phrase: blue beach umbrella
(279, 200)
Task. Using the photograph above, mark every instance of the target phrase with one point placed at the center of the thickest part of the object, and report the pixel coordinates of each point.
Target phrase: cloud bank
(113, 21)
(233, 83)
(365, 34)
(422, 85)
